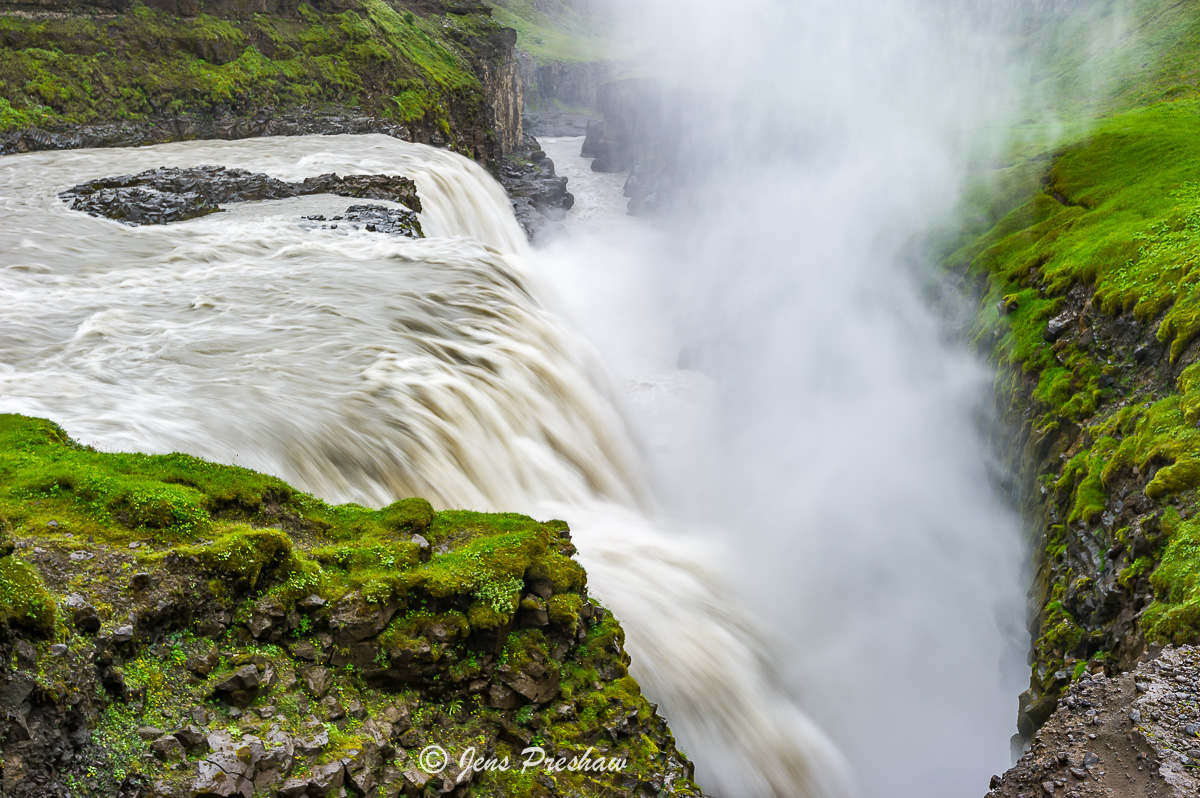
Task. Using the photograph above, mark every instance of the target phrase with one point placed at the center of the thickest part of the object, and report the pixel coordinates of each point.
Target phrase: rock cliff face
(118, 73)
(170, 627)
(1086, 271)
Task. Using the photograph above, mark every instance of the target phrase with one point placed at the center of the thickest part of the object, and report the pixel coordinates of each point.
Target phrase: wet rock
(537, 194)
(308, 651)
(326, 780)
(356, 619)
(1059, 324)
(314, 744)
(204, 663)
(161, 196)
(332, 708)
(534, 681)
(374, 219)
(83, 615)
(533, 612)
(221, 775)
(313, 602)
(240, 687)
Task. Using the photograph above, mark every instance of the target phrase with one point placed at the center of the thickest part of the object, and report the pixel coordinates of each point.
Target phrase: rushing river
(366, 368)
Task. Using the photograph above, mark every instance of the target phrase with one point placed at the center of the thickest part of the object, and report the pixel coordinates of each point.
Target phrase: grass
(1103, 223)
(81, 69)
(556, 31)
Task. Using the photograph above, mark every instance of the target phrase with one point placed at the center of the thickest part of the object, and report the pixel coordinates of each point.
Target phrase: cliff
(1086, 271)
(171, 627)
(121, 73)
(567, 51)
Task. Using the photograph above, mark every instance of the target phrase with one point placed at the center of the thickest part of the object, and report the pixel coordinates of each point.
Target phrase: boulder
(168, 749)
(317, 680)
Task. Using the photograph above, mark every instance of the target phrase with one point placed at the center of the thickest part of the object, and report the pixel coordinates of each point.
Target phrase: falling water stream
(364, 368)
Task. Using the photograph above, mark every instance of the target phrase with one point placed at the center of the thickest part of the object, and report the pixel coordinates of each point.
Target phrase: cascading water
(365, 368)
(789, 391)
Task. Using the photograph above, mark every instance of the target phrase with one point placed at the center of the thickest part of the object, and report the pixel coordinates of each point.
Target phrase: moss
(564, 609)
(1174, 616)
(1060, 631)
(410, 516)
(563, 573)
(554, 30)
(452, 614)
(245, 556)
(24, 600)
(80, 69)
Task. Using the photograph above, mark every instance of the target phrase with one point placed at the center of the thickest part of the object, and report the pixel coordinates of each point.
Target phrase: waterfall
(366, 368)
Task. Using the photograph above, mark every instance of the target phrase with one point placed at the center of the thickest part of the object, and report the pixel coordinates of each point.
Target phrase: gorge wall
(1086, 274)
(120, 73)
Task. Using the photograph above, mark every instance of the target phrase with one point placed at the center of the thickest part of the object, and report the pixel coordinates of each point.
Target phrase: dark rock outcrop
(539, 196)
(161, 196)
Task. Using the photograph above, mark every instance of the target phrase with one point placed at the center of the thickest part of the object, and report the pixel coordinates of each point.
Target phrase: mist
(799, 391)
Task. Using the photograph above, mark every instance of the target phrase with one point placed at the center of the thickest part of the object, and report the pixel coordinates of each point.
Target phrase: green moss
(245, 556)
(409, 516)
(80, 68)
(1060, 631)
(451, 614)
(553, 30)
(24, 600)
(564, 574)
(1174, 616)
(564, 609)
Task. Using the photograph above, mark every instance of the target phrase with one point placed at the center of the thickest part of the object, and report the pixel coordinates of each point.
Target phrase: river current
(366, 368)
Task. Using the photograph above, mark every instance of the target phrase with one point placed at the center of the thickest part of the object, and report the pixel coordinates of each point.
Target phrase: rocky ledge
(161, 196)
(1134, 735)
(538, 195)
(171, 627)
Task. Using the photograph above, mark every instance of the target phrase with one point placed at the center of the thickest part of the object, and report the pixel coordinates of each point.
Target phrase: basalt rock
(539, 196)
(374, 219)
(161, 196)
(359, 682)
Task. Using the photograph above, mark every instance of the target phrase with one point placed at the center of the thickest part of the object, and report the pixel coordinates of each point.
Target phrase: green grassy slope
(556, 31)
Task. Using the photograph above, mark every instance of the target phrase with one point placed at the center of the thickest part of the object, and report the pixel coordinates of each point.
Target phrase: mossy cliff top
(426, 71)
(1089, 278)
(177, 628)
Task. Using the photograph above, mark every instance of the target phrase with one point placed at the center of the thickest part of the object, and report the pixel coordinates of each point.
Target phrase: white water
(366, 368)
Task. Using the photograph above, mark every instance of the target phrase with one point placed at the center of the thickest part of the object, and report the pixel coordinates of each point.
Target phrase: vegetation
(556, 31)
(416, 618)
(130, 66)
(1087, 261)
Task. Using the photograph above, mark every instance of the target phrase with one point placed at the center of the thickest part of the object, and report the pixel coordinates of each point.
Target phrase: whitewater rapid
(367, 368)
